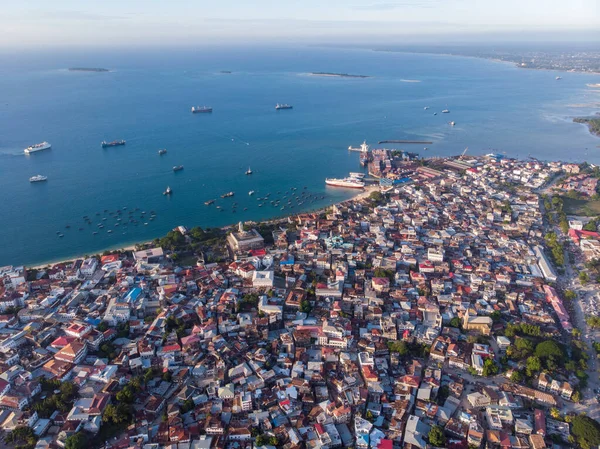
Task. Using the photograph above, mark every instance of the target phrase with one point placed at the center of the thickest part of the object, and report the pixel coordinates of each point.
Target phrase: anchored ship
(350, 183)
(283, 106)
(196, 109)
(227, 195)
(38, 178)
(114, 143)
(37, 147)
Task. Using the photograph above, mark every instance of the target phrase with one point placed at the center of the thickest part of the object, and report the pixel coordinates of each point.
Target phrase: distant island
(87, 69)
(341, 75)
(593, 124)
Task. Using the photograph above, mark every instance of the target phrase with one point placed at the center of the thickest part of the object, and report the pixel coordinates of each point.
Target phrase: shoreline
(131, 247)
(486, 58)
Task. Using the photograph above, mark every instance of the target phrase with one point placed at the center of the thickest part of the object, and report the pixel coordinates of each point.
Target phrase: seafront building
(365, 325)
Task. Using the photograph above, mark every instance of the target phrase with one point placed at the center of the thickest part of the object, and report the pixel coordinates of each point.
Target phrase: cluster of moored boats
(282, 199)
(111, 221)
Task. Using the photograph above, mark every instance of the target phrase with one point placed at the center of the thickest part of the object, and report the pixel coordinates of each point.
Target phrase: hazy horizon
(68, 23)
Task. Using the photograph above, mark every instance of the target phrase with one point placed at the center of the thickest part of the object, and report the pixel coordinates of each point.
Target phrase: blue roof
(133, 294)
(93, 321)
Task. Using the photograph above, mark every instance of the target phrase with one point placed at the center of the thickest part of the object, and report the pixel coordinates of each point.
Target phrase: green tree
(125, 395)
(570, 295)
(533, 366)
(76, 441)
(489, 368)
(436, 436)
(102, 326)
(550, 348)
(586, 430)
(516, 377)
(583, 277)
(455, 322)
(305, 306)
(555, 413)
(398, 346)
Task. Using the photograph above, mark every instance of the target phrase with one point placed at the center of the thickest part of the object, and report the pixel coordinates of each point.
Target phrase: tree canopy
(550, 348)
(436, 436)
(586, 430)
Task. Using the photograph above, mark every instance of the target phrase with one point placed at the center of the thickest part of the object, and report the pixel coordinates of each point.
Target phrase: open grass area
(588, 208)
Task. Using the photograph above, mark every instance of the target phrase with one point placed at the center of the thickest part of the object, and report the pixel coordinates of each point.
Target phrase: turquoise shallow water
(146, 100)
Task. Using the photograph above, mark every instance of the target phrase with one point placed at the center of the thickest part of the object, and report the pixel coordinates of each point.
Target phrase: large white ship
(37, 147)
(350, 183)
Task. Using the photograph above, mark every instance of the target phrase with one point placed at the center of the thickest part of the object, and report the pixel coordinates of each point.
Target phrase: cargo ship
(283, 106)
(38, 178)
(350, 183)
(114, 143)
(196, 109)
(37, 147)
(227, 195)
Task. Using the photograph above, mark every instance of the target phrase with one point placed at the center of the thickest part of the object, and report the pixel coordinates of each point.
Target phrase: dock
(422, 142)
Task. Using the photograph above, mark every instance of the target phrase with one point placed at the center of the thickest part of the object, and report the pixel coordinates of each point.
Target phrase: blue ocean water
(146, 100)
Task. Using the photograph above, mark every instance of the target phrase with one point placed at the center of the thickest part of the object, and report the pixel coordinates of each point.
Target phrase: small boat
(445, 111)
(558, 78)
(38, 178)
(435, 113)
(251, 192)
(114, 143)
(426, 107)
(109, 231)
(168, 191)
(94, 233)
(425, 148)
(249, 171)
(283, 106)
(196, 109)
(178, 168)
(452, 123)
(209, 202)
(162, 151)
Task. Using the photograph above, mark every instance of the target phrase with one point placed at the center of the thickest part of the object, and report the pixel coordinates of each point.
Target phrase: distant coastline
(593, 124)
(517, 60)
(339, 75)
(87, 69)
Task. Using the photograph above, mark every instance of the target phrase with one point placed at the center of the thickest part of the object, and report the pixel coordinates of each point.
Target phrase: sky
(42, 23)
